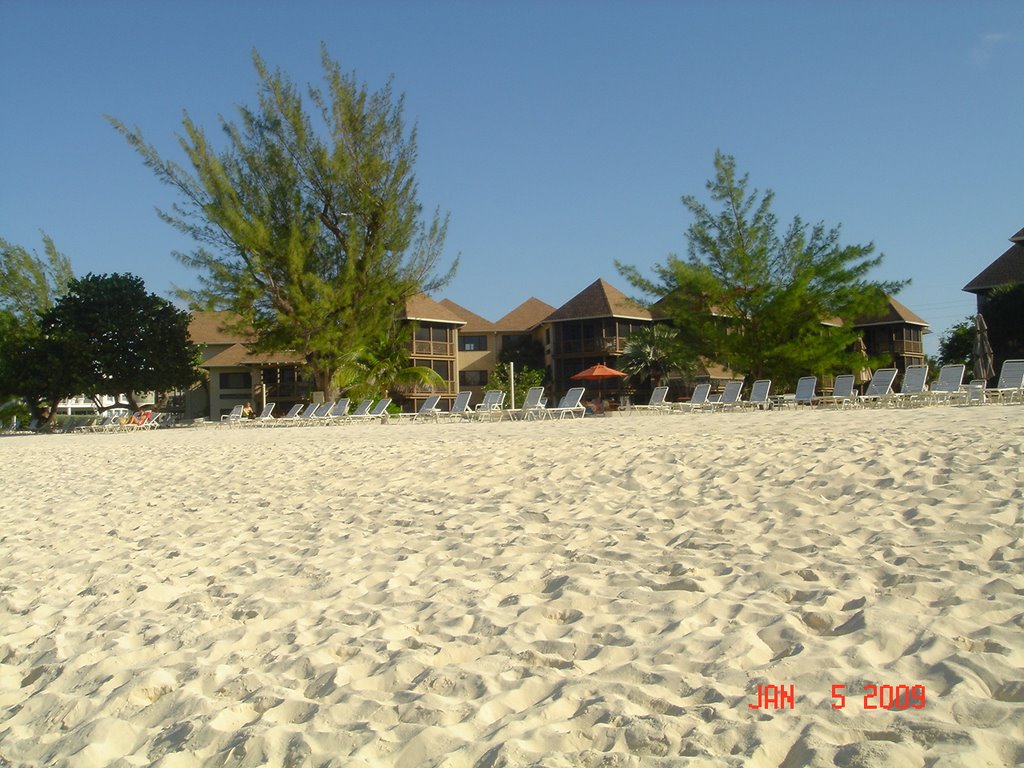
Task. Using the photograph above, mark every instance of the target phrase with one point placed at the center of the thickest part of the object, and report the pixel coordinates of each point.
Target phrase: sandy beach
(604, 592)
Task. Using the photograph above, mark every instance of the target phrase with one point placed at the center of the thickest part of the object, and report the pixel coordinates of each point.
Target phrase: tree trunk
(323, 380)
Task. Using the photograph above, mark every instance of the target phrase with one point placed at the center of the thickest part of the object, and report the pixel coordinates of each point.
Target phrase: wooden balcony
(606, 345)
(433, 349)
(290, 390)
(902, 347)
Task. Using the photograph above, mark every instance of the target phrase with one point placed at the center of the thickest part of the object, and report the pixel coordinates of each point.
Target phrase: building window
(236, 380)
(472, 343)
(442, 368)
(472, 378)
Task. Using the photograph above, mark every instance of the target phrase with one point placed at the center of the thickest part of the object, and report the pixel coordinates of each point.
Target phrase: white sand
(606, 592)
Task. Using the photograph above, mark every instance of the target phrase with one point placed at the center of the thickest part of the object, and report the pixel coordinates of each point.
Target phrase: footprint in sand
(1011, 691)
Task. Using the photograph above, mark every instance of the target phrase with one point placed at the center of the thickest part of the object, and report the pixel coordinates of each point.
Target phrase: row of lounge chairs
(113, 420)
(914, 391)
(491, 408)
(120, 420)
(333, 412)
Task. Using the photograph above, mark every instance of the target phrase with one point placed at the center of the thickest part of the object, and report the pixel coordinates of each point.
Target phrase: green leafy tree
(37, 368)
(315, 241)
(118, 338)
(956, 346)
(653, 353)
(525, 378)
(32, 366)
(753, 297)
(381, 368)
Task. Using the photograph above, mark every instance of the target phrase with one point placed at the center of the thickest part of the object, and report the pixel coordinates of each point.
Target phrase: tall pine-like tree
(309, 227)
(760, 300)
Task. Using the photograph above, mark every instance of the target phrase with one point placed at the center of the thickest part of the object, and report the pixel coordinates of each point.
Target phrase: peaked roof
(209, 328)
(238, 354)
(473, 321)
(1008, 268)
(422, 307)
(600, 299)
(526, 316)
(895, 313)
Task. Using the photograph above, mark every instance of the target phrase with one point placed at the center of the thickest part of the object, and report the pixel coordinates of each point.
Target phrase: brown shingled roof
(600, 299)
(474, 323)
(896, 313)
(422, 307)
(1007, 269)
(238, 354)
(208, 328)
(525, 317)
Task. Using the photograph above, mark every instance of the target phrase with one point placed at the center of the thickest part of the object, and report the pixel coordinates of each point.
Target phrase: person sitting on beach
(137, 419)
(247, 411)
(595, 406)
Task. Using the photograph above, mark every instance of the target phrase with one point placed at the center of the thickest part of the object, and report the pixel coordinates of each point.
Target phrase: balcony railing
(606, 345)
(433, 348)
(286, 390)
(903, 347)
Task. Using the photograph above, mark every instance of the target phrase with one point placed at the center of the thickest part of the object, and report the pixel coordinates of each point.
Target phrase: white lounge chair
(656, 404)
(266, 417)
(99, 426)
(114, 420)
(912, 389)
(759, 392)
(698, 401)
(949, 387)
(1010, 384)
(842, 392)
(880, 387)
(361, 410)
(319, 416)
(339, 413)
(805, 387)
(427, 410)
(155, 421)
(232, 418)
(490, 406)
(975, 394)
(289, 418)
(531, 409)
(570, 405)
(377, 412)
(730, 397)
(460, 408)
(306, 416)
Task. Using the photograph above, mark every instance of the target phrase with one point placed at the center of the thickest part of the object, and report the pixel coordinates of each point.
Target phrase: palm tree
(653, 353)
(381, 368)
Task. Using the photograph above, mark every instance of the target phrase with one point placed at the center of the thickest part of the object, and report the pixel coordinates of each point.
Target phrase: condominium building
(463, 348)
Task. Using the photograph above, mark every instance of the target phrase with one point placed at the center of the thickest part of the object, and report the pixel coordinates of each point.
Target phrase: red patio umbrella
(598, 373)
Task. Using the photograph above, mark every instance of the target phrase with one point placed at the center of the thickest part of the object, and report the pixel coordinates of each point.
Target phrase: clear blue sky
(559, 135)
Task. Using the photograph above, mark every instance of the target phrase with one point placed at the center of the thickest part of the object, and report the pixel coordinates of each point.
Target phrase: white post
(512, 383)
